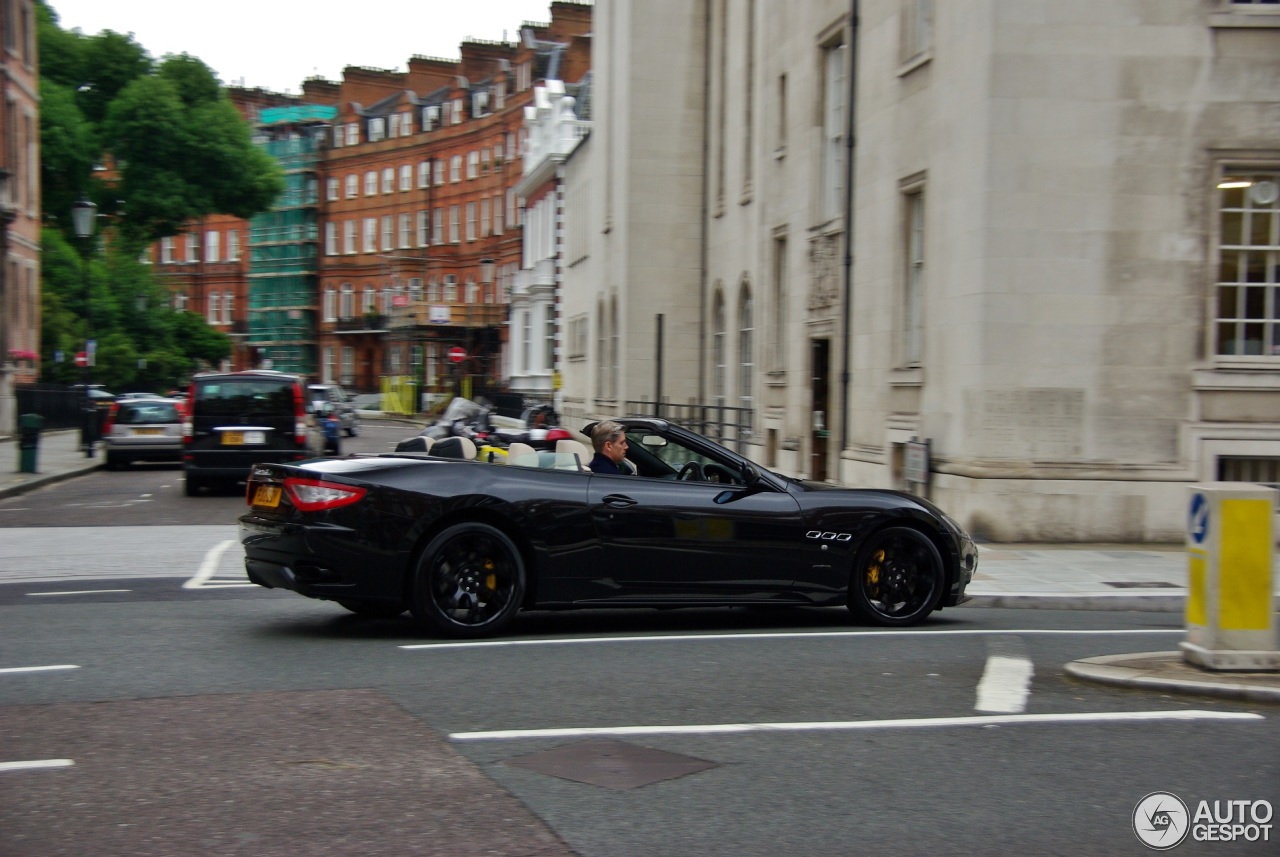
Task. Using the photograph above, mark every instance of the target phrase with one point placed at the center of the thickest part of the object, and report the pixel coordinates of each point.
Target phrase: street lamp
(84, 215)
(7, 214)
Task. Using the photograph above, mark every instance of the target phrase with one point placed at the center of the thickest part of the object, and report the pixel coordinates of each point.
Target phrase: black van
(238, 419)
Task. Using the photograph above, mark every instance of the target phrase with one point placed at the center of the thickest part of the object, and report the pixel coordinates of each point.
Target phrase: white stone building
(1064, 270)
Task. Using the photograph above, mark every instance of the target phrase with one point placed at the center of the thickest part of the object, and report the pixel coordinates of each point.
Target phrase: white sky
(276, 44)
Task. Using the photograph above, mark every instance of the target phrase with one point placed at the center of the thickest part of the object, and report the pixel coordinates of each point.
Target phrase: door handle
(618, 501)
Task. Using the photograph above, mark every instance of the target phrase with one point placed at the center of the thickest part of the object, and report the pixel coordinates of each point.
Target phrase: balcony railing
(364, 322)
(423, 314)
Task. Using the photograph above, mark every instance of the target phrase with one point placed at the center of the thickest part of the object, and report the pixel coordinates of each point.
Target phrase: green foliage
(177, 150)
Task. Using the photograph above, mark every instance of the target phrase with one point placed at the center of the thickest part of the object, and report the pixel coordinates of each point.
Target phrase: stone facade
(1063, 252)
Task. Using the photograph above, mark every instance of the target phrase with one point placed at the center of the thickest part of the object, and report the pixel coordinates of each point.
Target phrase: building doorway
(819, 441)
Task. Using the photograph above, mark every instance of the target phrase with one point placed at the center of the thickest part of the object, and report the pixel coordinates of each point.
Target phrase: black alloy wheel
(374, 609)
(898, 578)
(469, 581)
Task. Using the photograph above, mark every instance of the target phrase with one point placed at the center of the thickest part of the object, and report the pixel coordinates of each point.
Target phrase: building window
(450, 289)
(471, 292)
(1263, 471)
(471, 221)
(347, 308)
(353, 186)
(424, 174)
(601, 351)
(377, 129)
(166, 250)
(330, 303)
(454, 223)
(349, 237)
(371, 235)
(353, 133)
(549, 340)
(388, 179)
(1248, 297)
(473, 165)
(211, 247)
(371, 183)
(406, 235)
(513, 216)
(228, 306)
(193, 248)
(369, 303)
(388, 233)
(334, 188)
(338, 133)
(423, 227)
(214, 307)
(718, 355)
(778, 332)
(456, 106)
(913, 286)
(331, 238)
(497, 215)
(746, 348)
(406, 178)
(455, 169)
(833, 130)
(484, 218)
(917, 29)
(348, 366)
(233, 245)
(437, 226)
(393, 125)
(439, 172)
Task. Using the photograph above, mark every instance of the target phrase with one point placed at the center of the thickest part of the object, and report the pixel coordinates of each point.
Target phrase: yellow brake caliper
(873, 570)
(490, 578)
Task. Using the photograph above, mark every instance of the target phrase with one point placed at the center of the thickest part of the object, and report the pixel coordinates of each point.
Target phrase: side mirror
(750, 474)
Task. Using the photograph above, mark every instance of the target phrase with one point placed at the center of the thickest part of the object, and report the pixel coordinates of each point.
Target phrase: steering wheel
(694, 468)
(717, 472)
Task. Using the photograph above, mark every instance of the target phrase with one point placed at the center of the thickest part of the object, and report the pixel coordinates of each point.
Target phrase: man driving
(609, 439)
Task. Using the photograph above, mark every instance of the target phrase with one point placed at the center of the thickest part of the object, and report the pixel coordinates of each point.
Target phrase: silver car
(143, 430)
(337, 398)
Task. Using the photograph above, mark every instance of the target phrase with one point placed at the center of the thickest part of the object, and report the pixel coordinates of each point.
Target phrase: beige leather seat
(572, 447)
(522, 455)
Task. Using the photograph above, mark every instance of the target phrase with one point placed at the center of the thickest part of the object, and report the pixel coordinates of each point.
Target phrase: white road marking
(798, 635)
(38, 669)
(78, 592)
(1005, 684)
(859, 725)
(35, 765)
(209, 567)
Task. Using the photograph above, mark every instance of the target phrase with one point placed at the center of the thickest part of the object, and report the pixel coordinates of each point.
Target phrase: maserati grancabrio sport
(465, 542)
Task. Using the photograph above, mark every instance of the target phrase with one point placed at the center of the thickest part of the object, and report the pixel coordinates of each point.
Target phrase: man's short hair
(606, 431)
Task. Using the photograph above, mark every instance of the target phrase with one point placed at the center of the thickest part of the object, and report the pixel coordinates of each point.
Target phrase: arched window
(347, 309)
(746, 347)
(718, 348)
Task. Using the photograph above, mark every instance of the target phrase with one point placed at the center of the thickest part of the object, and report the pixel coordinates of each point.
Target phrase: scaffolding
(283, 243)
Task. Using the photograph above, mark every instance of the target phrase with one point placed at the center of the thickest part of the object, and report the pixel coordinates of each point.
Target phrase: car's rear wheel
(374, 609)
(469, 581)
(897, 579)
(192, 485)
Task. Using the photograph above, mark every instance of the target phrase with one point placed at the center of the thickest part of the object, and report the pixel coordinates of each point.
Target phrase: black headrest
(453, 447)
(414, 444)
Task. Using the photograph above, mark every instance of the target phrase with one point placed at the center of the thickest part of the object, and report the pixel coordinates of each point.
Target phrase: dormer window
(430, 118)
(377, 129)
(479, 103)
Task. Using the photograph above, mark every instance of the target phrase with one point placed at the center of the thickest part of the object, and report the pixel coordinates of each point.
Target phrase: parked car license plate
(267, 496)
(151, 431)
(242, 438)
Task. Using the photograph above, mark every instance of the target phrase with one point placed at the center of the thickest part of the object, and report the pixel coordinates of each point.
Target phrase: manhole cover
(1142, 584)
(611, 764)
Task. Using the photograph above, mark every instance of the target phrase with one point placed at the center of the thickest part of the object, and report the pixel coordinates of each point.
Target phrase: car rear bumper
(321, 561)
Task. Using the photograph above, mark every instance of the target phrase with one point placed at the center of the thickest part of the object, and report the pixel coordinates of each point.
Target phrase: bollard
(1230, 614)
(29, 426)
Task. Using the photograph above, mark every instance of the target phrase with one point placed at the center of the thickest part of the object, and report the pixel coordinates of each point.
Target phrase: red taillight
(558, 434)
(111, 418)
(313, 495)
(299, 416)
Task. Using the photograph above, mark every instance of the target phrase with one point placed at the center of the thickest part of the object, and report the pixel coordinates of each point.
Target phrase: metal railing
(726, 425)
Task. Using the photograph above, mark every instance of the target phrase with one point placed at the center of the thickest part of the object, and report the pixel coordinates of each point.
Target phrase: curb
(1163, 602)
(39, 480)
(1173, 675)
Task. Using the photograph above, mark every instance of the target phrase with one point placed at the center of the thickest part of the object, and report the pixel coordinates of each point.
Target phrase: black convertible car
(465, 544)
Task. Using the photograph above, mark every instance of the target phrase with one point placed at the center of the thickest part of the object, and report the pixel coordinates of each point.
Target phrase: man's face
(616, 450)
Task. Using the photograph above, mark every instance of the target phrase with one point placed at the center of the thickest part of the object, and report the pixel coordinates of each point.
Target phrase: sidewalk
(1149, 578)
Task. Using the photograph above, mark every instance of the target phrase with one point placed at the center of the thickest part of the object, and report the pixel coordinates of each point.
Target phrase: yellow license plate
(267, 496)
(235, 438)
(148, 431)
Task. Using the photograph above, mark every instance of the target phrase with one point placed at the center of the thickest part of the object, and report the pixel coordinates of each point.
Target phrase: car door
(682, 540)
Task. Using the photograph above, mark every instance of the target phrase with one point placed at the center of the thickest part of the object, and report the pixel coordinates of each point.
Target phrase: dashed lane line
(76, 592)
(36, 764)
(13, 670)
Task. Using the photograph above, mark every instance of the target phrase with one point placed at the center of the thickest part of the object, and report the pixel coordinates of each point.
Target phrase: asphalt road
(199, 715)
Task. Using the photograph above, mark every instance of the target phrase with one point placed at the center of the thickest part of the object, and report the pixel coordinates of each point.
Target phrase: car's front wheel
(469, 581)
(897, 579)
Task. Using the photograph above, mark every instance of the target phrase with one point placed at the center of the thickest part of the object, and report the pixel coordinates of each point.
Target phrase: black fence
(61, 406)
(728, 426)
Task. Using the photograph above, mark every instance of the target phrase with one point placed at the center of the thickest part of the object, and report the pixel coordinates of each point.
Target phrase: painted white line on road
(35, 765)
(1005, 684)
(77, 592)
(795, 635)
(859, 725)
(209, 567)
(38, 669)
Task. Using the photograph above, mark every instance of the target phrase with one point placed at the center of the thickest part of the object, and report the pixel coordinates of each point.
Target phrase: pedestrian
(332, 428)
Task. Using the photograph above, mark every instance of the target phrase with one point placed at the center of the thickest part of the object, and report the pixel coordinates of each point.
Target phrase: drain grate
(611, 764)
(1142, 584)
